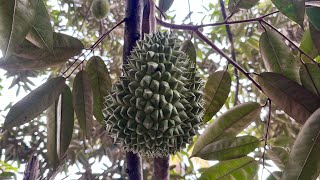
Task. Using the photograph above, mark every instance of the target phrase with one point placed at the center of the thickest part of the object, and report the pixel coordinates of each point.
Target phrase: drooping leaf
(165, 5)
(228, 124)
(279, 156)
(314, 16)
(101, 84)
(288, 95)
(236, 5)
(189, 48)
(34, 103)
(64, 47)
(277, 56)
(16, 17)
(52, 136)
(315, 35)
(309, 76)
(83, 101)
(242, 168)
(65, 121)
(216, 92)
(229, 148)
(304, 159)
(293, 9)
(308, 47)
(41, 33)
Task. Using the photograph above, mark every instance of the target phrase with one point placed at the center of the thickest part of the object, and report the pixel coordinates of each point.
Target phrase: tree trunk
(132, 33)
(161, 168)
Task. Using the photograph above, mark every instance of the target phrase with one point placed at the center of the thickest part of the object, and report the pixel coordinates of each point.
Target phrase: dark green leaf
(314, 16)
(289, 96)
(83, 102)
(304, 159)
(65, 121)
(229, 148)
(235, 5)
(52, 136)
(315, 36)
(216, 93)
(41, 33)
(309, 75)
(189, 48)
(228, 124)
(165, 5)
(242, 168)
(279, 156)
(277, 56)
(16, 17)
(101, 84)
(293, 9)
(34, 103)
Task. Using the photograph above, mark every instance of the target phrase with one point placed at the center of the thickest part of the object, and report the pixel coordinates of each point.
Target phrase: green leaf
(65, 121)
(83, 102)
(279, 156)
(228, 124)
(315, 36)
(165, 5)
(276, 175)
(314, 16)
(216, 92)
(309, 75)
(308, 47)
(16, 17)
(304, 159)
(289, 96)
(34, 103)
(229, 148)
(242, 168)
(293, 9)
(277, 56)
(52, 136)
(64, 48)
(101, 84)
(189, 48)
(236, 5)
(41, 33)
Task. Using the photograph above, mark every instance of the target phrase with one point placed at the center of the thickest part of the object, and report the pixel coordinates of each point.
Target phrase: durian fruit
(100, 9)
(155, 108)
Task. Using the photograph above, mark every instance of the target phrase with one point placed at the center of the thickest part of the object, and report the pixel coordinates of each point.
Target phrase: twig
(266, 134)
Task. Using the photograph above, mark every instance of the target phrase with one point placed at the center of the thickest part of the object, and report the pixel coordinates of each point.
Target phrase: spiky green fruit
(100, 9)
(155, 108)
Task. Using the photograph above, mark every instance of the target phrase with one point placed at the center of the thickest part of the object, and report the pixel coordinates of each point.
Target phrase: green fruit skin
(100, 9)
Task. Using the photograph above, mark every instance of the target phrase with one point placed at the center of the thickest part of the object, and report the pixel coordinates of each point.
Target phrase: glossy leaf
(16, 17)
(52, 136)
(229, 148)
(235, 5)
(242, 168)
(34, 103)
(279, 156)
(309, 75)
(304, 159)
(308, 47)
(288, 95)
(216, 92)
(165, 5)
(293, 9)
(314, 16)
(315, 36)
(83, 101)
(229, 123)
(189, 48)
(41, 33)
(101, 84)
(277, 56)
(65, 121)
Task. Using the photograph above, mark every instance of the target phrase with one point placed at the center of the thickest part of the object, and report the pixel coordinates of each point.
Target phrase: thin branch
(266, 134)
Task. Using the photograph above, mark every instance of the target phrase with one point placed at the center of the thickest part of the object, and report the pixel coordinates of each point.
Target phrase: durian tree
(228, 93)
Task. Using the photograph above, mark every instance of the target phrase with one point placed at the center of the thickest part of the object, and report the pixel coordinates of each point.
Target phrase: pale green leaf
(16, 17)
(308, 47)
(228, 124)
(34, 103)
(315, 36)
(216, 92)
(243, 168)
(304, 159)
(309, 76)
(189, 48)
(288, 95)
(52, 136)
(279, 156)
(276, 175)
(293, 9)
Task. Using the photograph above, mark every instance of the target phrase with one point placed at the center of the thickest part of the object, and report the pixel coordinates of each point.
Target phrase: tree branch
(161, 168)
